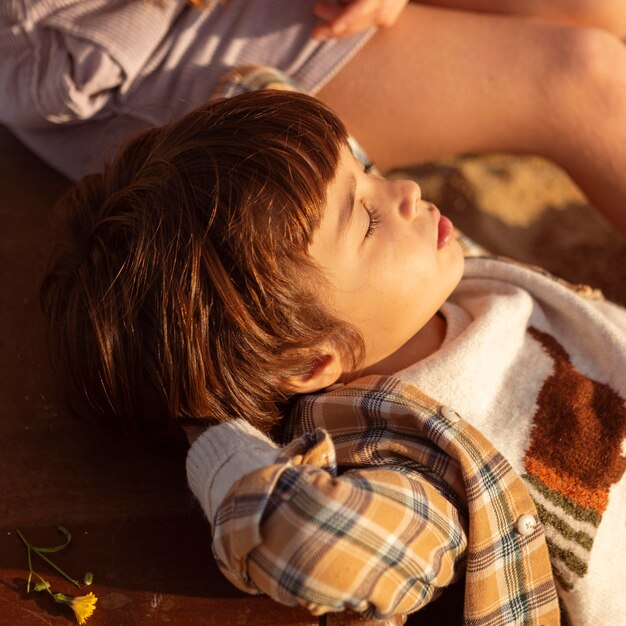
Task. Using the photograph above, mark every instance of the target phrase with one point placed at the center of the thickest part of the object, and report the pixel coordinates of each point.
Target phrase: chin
(454, 271)
(459, 257)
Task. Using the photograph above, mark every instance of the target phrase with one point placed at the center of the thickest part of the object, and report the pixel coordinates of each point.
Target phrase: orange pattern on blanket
(578, 429)
(568, 486)
(574, 457)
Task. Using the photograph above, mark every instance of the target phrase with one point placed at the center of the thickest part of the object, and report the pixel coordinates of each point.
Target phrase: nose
(409, 197)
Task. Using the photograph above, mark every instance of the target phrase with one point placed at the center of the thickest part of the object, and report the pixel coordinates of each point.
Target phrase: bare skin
(609, 15)
(442, 81)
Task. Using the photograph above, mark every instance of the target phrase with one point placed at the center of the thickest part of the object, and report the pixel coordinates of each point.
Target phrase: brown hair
(183, 288)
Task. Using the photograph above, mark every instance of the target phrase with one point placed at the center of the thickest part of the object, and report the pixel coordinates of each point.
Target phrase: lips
(445, 228)
(445, 231)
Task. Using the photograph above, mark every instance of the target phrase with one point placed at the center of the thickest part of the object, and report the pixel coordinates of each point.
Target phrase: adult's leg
(609, 15)
(441, 82)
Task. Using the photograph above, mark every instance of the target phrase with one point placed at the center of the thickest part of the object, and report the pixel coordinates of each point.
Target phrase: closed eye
(374, 221)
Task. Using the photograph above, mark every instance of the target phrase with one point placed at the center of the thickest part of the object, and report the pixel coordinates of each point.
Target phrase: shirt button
(450, 414)
(526, 525)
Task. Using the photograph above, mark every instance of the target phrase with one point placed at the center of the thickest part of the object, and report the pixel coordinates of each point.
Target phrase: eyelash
(374, 221)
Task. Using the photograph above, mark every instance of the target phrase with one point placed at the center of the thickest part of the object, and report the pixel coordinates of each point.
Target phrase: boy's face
(389, 257)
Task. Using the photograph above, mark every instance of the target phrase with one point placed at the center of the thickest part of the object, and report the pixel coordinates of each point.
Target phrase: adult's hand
(353, 16)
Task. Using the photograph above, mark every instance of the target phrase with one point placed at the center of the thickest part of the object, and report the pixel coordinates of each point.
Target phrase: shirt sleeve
(59, 79)
(70, 64)
(381, 541)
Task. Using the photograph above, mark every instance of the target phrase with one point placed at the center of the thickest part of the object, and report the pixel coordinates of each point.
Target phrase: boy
(226, 263)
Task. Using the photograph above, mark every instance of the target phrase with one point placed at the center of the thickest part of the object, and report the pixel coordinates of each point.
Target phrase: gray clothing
(77, 77)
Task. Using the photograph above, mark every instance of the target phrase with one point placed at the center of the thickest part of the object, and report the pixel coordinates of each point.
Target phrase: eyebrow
(347, 207)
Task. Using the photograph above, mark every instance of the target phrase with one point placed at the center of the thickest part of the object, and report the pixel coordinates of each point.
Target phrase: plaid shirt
(368, 508)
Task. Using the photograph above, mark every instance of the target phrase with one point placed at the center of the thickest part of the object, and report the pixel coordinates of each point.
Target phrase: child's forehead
(339, 197)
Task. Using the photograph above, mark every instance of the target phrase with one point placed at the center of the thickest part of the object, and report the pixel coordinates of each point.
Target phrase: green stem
(31, 548)
(31, 571)
(57, 568)
(68, 537)
(30, 561)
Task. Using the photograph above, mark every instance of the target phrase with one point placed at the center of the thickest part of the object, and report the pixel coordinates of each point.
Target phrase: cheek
(393, 282)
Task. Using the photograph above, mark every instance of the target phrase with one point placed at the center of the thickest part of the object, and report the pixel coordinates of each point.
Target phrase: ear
(326, 371)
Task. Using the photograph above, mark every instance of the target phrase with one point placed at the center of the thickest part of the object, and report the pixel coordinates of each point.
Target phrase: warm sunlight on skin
(391, 261)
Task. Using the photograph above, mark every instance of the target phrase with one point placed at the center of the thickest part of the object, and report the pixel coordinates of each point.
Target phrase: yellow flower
(83, 606)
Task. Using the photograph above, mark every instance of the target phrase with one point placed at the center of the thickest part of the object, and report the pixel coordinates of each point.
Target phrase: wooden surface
(134, 523)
